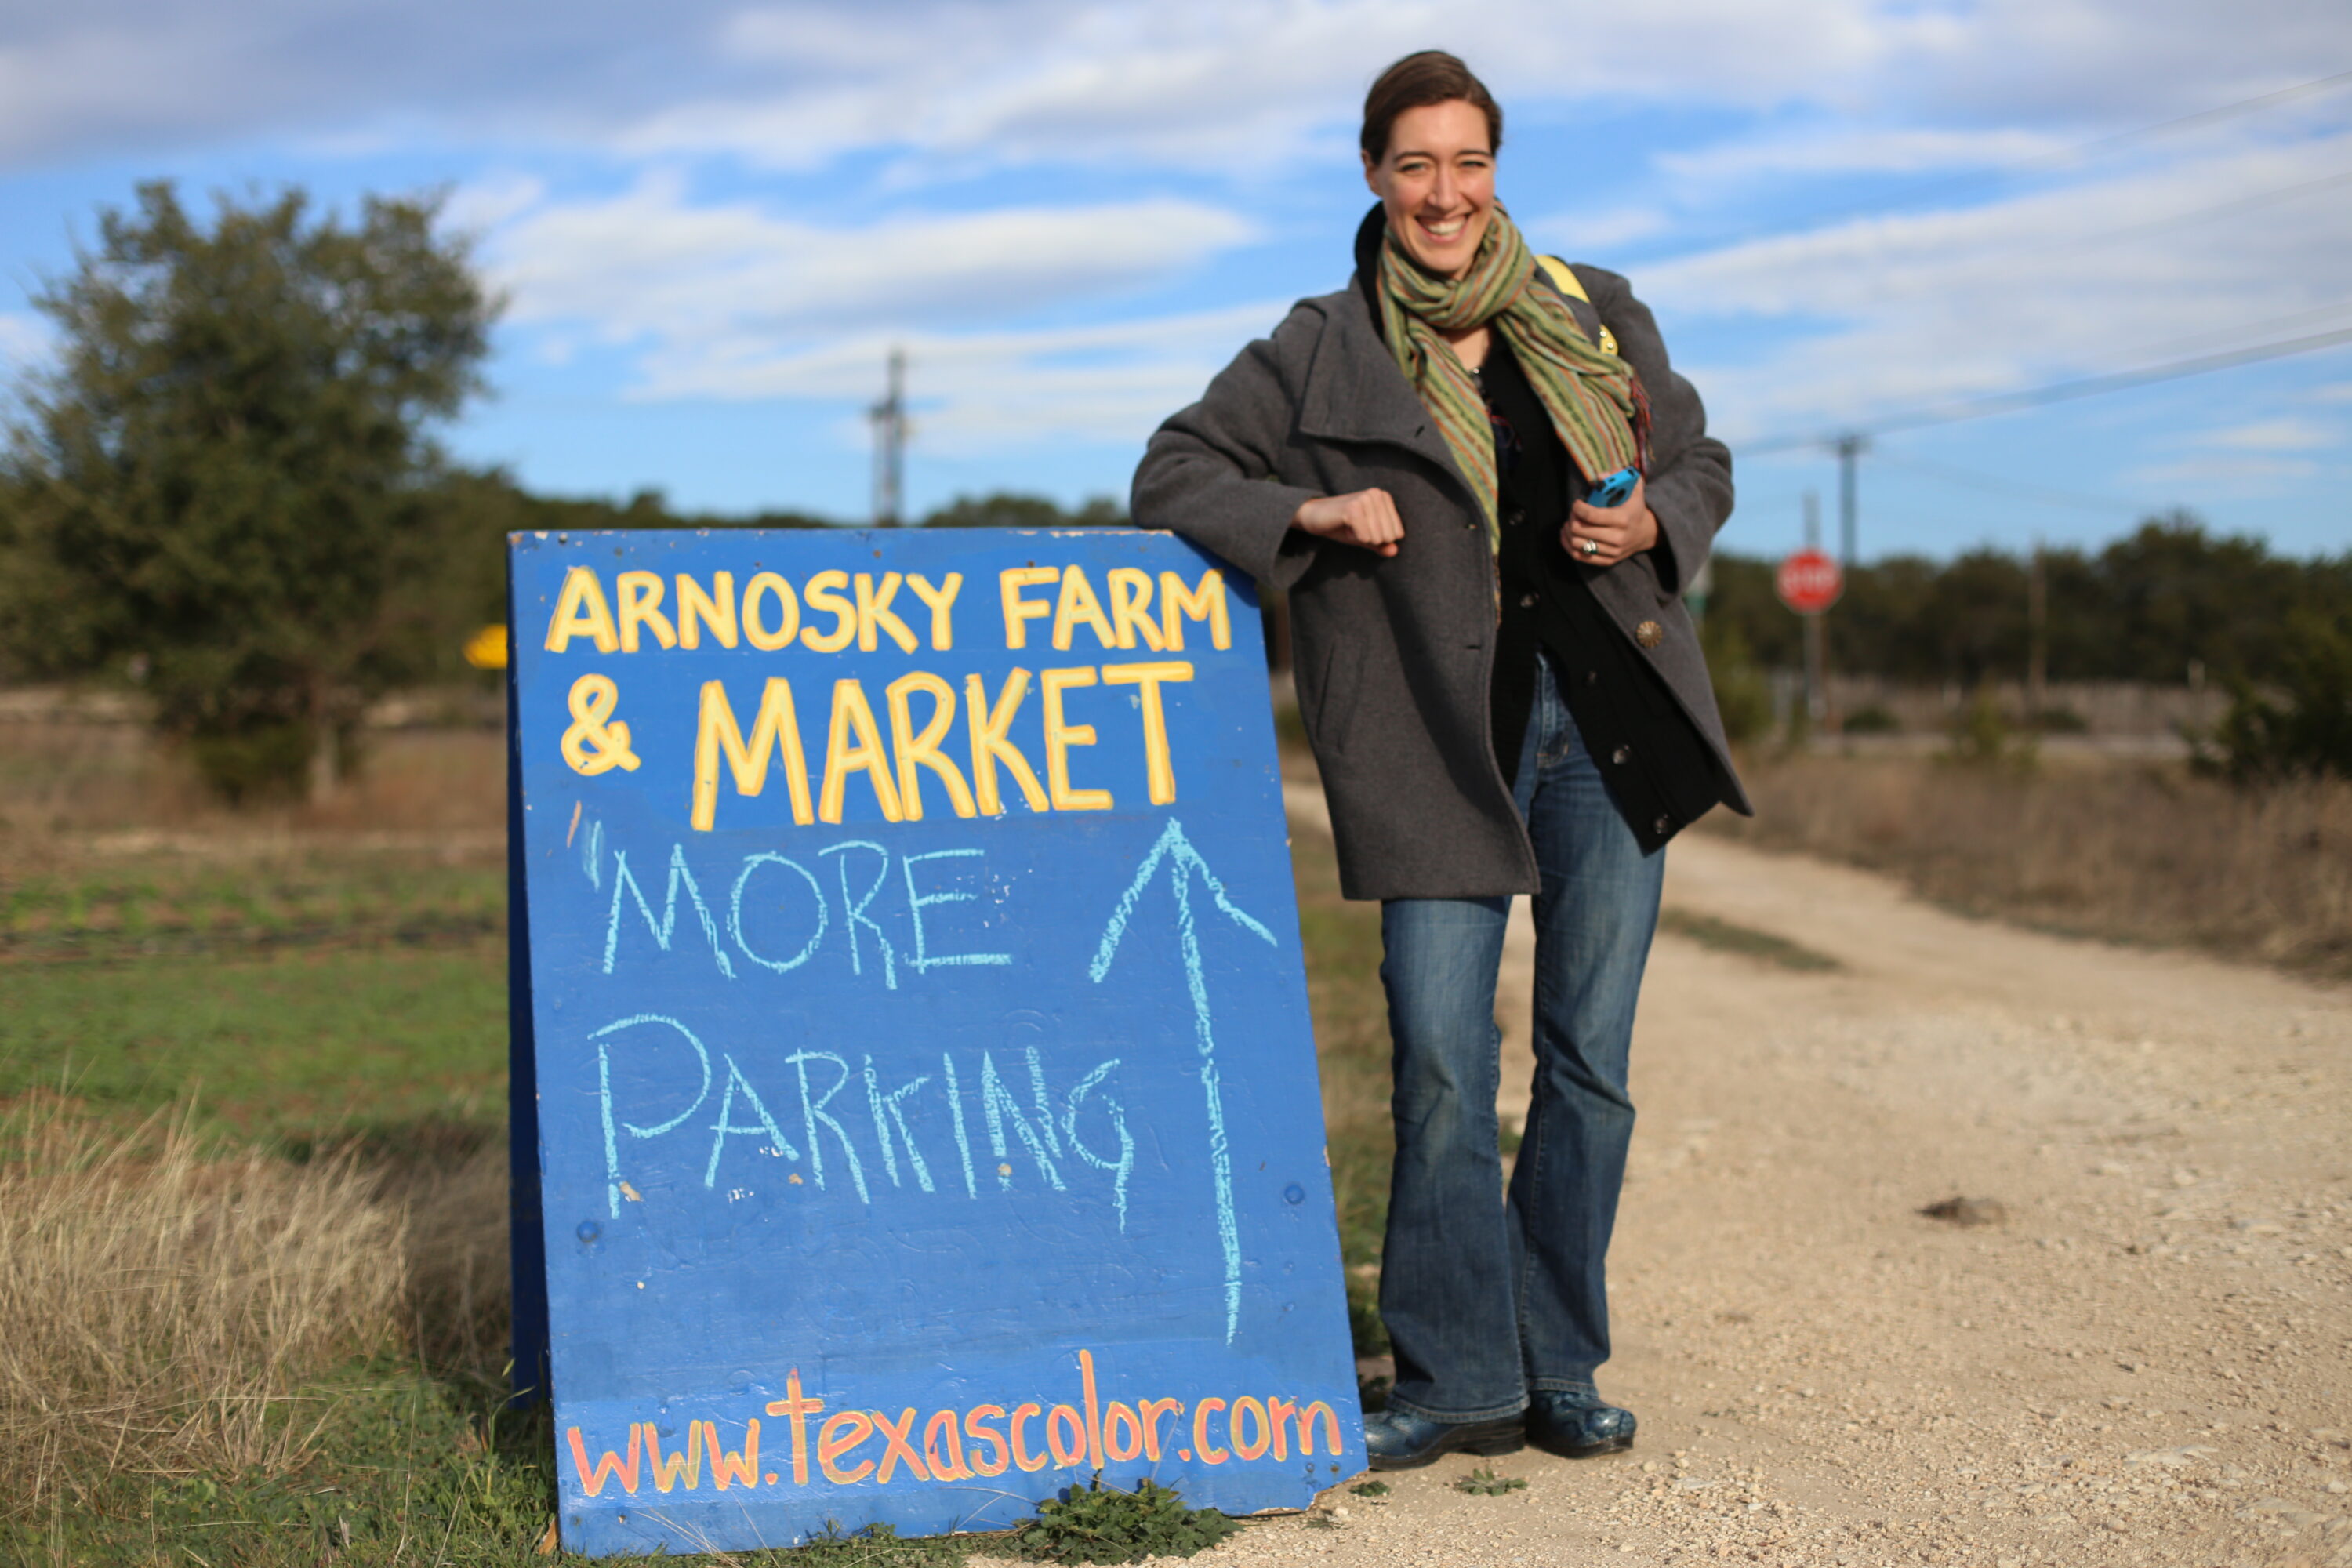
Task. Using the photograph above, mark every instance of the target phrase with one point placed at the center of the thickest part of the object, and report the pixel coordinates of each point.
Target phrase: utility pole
(2037, 629)
(1817, 698)
(1848, 447)
(889, 420)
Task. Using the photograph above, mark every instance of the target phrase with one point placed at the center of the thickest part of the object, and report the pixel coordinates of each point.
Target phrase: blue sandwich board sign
(914, 1099)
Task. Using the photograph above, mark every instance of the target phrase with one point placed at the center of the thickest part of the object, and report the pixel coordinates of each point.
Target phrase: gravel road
(2142, 1360)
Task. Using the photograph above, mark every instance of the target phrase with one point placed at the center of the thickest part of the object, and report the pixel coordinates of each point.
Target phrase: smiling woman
(1504, 695)
(1440, 189)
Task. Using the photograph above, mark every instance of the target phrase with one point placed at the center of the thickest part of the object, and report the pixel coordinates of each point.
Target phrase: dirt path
(2145, 1362)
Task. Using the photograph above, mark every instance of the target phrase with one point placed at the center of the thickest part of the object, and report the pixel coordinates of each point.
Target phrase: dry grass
(2128, 851)
(456, 1316)
(80, 778)
(171, 1308)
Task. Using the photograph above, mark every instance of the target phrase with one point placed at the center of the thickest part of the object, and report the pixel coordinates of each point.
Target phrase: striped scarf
(1596, 403)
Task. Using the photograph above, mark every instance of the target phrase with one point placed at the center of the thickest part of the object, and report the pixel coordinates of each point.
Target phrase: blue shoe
(1576, 1424)
(1395, 1441)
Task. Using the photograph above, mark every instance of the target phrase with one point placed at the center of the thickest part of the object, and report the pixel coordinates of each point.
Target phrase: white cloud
(2274, 436)
(25, 341)
(1587, 234)
(487, 204)
(759, 299)
(2333, 392)
(729, 300)
(1857, 151)
(1237, 85)
(984, 392)
(703, 279)
(1874, 316)
(2214, 472)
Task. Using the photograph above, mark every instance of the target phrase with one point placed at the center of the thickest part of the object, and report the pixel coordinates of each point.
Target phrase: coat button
(1514, 517)
(1661, 825)
(1592, 678)
(1526, 601)
(1649, 633)
(1622, 755)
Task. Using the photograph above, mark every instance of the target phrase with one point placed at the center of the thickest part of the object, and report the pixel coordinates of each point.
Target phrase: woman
(1504, 695)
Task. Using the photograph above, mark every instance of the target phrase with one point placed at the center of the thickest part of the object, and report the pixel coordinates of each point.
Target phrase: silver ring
(1592, 547)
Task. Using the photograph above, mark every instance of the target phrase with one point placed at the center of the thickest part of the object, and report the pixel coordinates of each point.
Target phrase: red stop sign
(1809, 582)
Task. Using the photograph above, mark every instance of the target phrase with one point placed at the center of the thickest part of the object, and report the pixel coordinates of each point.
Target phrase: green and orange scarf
(1595, 402)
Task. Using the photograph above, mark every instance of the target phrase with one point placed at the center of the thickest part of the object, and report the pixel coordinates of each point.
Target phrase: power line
(2080, 152)
(1996, 484)
(2259, 199)
(2203, 116)
(2068, 243)
(2059, 391)
(2240, 329)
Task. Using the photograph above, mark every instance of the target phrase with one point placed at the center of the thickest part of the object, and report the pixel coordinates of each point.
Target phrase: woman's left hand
(1603, 536)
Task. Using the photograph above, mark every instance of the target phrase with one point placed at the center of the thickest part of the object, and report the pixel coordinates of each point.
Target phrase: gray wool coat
(1394, 657)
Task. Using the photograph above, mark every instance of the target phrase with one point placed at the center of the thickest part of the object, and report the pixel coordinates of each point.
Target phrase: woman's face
(1437, 184)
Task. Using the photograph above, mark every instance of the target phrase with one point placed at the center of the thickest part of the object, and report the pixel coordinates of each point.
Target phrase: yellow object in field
(487, 648)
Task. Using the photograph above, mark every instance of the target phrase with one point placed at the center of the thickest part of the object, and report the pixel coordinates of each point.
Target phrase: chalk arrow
(1184, 862)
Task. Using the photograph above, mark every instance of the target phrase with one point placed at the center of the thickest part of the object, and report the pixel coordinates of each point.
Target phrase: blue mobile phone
(1612, 491)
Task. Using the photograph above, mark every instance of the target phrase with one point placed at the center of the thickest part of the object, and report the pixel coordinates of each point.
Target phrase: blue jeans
(1486, 1299)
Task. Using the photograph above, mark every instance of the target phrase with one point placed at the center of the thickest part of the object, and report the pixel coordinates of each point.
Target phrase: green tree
(2262, 741)
(225, 488)
(1003, 509)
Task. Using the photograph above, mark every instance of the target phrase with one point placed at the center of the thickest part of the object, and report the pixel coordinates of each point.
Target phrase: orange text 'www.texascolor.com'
(849, 1448)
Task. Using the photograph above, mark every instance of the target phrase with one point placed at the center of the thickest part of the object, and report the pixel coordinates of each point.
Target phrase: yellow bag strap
(1564, 280)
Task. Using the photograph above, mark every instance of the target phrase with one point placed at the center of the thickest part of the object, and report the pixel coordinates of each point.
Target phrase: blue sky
(711, 221)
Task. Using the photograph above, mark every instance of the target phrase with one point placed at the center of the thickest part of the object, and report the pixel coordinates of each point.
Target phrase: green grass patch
(408, 1470)
(1095, 1523)
(300, 1045)
(141, 908)
(1728, 936)
(1484, 1482)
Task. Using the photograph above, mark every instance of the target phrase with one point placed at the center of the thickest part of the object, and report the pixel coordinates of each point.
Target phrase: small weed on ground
(1103, 1524)
(1371, 1488)
(1724, 936)
(1484, 1482)
(876, 1546)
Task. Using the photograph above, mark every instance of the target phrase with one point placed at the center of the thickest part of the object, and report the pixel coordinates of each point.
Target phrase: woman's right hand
(1367, 519)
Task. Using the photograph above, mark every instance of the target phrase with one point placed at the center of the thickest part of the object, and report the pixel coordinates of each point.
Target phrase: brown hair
(1416, 81)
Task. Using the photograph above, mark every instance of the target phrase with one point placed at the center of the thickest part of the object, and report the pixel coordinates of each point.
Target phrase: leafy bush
(1741, 695)
(1873, 720)
(2261, 742)
(1103, 1524)
(1984, 738)
(253, 757)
